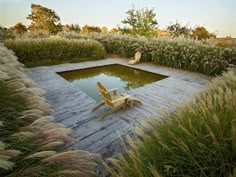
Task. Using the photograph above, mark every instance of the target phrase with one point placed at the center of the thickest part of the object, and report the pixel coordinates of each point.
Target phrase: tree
(140, 22)
(3, 29)
(177, 29)
(90, 29)
(44, 19)
(75, 28)
(201, 33)
(72, 27)
(19, 28)
(104, 29)
(5, 34)
(114, 30)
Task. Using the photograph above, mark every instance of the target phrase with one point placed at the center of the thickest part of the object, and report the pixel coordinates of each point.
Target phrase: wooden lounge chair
(136, 58)
(114, 101)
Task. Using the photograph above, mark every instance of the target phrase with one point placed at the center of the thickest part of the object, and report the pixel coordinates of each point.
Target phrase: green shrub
(30, 51)
(193, 55)
(123, 45)
(199, 140)
(29, 139)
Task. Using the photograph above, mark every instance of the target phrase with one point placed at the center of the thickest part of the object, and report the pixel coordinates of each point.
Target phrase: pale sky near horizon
(218, 16)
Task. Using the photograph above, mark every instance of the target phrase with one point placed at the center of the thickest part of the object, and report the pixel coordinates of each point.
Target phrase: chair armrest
(123, 98)
(111, 90)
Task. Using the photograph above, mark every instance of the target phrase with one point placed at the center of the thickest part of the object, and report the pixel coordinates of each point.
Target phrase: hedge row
(193, 55)
(55, 49)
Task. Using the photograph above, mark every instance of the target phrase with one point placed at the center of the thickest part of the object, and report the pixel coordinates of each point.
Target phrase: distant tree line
(141, 22)
(199, 32)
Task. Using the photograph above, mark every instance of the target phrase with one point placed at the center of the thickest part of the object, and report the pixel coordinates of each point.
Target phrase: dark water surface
(111, 76)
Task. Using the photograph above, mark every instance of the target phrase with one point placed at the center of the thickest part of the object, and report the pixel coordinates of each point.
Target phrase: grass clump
(29, 139)
(199, 56)
(199, 140)
(55, 50)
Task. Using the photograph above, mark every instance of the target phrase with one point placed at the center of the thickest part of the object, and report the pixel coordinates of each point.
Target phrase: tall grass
(190, 54)
(55, 50)
(199, 140)
(29, 139)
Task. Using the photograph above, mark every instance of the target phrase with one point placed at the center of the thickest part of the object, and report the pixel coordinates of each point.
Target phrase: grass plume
(199, 140)
(28, 135)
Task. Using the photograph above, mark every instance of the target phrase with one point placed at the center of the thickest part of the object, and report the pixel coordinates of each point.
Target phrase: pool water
(111, 76)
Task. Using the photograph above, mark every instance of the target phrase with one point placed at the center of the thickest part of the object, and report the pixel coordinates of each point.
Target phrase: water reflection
(111, 76)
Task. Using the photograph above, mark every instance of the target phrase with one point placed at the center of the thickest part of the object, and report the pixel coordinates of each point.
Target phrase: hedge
(199, 56)
(55, 49)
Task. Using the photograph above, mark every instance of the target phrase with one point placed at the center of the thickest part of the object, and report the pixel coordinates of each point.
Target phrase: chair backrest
(137, 56)
(104, 94)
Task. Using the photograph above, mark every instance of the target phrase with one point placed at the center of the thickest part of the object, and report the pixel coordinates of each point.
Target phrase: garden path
(72, 107)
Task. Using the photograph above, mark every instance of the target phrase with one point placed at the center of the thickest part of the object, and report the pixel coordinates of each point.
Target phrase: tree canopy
(90, 29)
(19, 28)
(114, 30)
(43, 19)
(72, 27)
(201, 33)
(176, 29)
(104, 29)
(140, 22)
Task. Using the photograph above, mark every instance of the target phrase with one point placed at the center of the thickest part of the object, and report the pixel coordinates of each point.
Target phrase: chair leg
(98, 105)
(131, 103)
(132, 100)
(125, 104)
(106, 114)
(137, 100)
(109, 112)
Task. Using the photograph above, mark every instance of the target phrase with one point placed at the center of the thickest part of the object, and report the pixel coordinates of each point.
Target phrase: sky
(218, 16)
